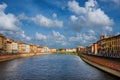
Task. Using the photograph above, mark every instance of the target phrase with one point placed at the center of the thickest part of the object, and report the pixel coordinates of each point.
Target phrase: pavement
(108, 62)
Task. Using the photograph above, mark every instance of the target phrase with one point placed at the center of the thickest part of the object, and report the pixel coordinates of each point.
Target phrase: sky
(59, 23)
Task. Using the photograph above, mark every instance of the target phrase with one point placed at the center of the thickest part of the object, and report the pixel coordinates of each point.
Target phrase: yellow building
(22, 47)
(8, 45)
(1, 42)
(109, 46)
(31, 48)
(53, 50)
(39, 49)
(118, 45)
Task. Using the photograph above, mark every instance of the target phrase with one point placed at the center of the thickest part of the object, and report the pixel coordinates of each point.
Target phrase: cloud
(7, 21)
(73, 18)
(74, 7)
(84, 38)
(42, 20)
(54, 15)
(89, 16)
(53, 39)
(115, 2)
(59, 38)
(3, 7)
(46, 22)
(9, 24)
(40, 36)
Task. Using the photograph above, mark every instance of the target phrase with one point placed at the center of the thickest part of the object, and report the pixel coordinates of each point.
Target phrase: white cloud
(42, 20)
(84, 38)
(59, 38)
(108, 28)
(52, 39)
(7, 21)
(74, 7)
(40, 36)
(3, 7)
(9, 24)
(89, 16)
(73, 18)
(46, 22)
(28, 38)
(54, 15)
(22, 34)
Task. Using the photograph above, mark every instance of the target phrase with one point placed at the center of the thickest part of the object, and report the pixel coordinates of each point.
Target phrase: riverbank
(14, 56)
(72, 53)
(109, 65)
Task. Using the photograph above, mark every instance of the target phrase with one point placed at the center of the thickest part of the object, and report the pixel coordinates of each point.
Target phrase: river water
(51, 67)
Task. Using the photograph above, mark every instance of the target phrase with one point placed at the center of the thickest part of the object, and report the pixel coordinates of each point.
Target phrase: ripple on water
(51, 67)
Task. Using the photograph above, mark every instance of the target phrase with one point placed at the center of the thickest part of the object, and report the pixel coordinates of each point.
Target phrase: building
(53, 50)
(45, 49)
(22, 47)
(31, 48)
(113, 46)
(101, 50)
(118, 45)
(89, 49)
(35, 48)
(95, 47)
(14, 46)
(80, 49)
(39, 49)
(8, 45)
(1, 43)
(27, 48)
(70, 50)
(109, 46)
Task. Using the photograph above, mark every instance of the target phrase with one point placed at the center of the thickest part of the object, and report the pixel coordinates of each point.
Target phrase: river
(51, 67)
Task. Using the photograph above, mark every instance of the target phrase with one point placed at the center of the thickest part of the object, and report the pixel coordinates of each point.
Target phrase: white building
(14, 47)
(70, 50)
(27, 50)
(45, 49)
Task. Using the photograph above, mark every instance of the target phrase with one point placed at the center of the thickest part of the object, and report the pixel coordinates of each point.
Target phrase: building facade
(8, 45)
(45, 49)
(39, 49)
(89, 49)
(1, 43)
(27, 48)
(53, 50)
(95, 46)
(80, 49)
(14, 47)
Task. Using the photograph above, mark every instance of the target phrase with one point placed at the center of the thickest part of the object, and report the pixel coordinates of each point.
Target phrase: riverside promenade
(110, 65)
(19, 55)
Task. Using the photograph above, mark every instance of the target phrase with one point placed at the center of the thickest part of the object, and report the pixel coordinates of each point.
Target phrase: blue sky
(59, 23)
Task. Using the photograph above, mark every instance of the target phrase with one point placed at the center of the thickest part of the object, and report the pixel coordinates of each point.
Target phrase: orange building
(39, 49)
(95, 47)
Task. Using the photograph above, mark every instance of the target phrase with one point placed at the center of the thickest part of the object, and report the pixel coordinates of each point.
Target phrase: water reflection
(51, 67)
